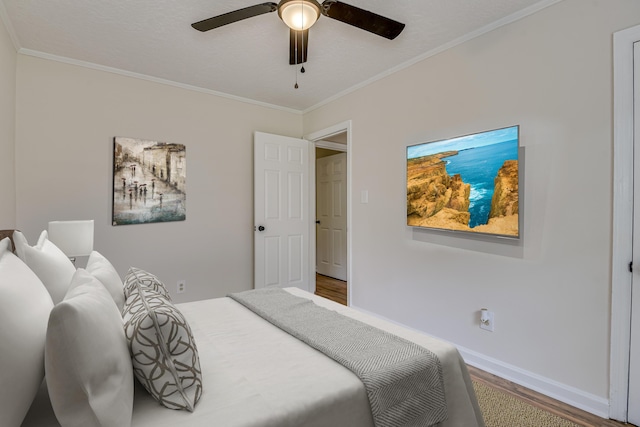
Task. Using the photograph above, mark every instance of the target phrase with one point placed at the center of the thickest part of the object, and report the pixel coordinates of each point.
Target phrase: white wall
(8, 58)
(551, 73)
(67, 117)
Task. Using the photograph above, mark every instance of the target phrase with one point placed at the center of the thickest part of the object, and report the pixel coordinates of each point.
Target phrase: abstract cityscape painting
(468, 183)
(149, 181)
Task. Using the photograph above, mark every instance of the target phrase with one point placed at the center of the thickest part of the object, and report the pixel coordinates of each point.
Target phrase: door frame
(314, 138)
(622, 242)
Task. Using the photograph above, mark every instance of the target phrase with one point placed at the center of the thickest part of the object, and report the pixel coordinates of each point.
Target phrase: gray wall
(67, 117)
(8, 57)
(551, 73)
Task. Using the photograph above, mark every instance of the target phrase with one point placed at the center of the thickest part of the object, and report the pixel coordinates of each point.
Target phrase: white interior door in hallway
(281, 212)
(634, 359)
(331, 216)
(624, 385)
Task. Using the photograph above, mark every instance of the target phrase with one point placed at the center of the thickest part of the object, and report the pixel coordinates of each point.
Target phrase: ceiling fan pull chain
(302, 70)
(296, 61)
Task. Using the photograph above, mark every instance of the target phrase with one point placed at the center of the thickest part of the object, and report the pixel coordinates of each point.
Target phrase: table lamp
(74, 238)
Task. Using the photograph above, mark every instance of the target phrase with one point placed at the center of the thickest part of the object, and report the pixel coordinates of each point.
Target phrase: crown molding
(91, 65)
(472, 35)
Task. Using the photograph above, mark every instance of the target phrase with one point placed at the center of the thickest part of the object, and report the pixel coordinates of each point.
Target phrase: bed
(255, 374)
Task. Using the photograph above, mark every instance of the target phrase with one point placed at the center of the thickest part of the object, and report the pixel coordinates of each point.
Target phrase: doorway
(331, 213)
(332, 204)
(331, 222)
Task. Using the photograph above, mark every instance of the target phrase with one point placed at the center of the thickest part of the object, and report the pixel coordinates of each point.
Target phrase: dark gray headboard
(9, 234)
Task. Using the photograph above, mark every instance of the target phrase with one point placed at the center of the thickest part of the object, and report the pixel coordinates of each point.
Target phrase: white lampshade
(74, 238)
(299, 14)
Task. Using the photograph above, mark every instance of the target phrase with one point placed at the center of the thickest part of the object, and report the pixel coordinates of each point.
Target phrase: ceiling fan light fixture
(299, 15)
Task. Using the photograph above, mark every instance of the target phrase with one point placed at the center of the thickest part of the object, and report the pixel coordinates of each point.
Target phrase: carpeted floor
(502, 410)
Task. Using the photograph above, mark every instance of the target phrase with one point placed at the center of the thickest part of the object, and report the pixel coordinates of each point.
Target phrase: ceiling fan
(300, 15)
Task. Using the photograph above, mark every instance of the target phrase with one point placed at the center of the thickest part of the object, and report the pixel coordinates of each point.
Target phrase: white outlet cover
(181, 286)
(490, 324)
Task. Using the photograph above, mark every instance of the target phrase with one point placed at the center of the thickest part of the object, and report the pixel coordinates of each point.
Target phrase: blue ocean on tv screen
(479, 167)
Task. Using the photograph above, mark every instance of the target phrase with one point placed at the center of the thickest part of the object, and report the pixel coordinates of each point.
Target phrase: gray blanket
(403, 380)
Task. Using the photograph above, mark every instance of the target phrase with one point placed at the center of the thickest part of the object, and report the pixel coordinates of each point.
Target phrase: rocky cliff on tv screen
(467, 183)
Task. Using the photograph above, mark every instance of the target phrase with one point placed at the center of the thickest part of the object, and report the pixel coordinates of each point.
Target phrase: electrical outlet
(487, 320)
(182, 286)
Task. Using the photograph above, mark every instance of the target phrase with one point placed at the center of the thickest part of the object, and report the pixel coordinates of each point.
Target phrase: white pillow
(101, 268)
(87, 363)
(25, 305)
(49, 263)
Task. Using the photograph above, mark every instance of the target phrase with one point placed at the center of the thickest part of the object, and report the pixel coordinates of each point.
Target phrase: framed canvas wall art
(149, 181)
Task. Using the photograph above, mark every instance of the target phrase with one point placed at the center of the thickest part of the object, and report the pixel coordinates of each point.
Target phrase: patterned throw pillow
(163, 351)
(139, 279)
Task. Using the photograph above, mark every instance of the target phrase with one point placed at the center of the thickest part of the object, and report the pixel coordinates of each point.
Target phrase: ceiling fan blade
(298, 44)
(363, 19)
(235, 16)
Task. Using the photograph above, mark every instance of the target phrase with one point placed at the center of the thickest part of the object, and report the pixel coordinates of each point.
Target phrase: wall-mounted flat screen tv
(468, 183)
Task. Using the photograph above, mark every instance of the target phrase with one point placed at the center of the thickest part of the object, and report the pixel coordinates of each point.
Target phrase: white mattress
(254, 374)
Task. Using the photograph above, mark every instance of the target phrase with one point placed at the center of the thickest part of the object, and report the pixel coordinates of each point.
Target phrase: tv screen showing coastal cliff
(468, 183)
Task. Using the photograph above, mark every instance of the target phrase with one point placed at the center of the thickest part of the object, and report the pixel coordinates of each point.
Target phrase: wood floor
(336, 290)
(330, 288)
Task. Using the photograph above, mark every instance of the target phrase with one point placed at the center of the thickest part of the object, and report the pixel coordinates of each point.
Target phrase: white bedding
(254, 374)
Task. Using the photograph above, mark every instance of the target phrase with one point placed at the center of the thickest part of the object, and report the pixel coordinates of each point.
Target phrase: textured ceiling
(247, 59)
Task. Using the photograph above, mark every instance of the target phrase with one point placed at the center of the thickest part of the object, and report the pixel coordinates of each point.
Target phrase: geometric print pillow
(139, 279)
(163, 351)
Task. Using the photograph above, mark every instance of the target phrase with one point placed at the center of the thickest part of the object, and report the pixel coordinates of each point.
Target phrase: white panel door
(281, 211)
(634, 359)
(331, 216)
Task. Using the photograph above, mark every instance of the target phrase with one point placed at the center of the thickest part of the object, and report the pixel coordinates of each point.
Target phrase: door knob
(318, 222)
(260, 228)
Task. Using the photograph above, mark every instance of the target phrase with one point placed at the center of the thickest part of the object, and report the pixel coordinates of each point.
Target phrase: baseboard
(570, 395)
